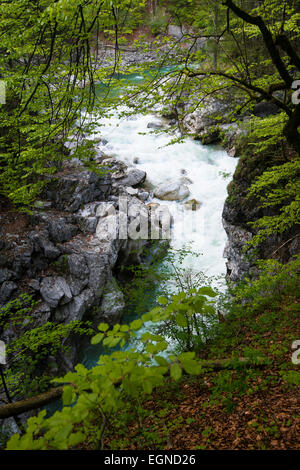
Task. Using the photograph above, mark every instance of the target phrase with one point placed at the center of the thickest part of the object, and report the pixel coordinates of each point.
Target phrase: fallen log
(29, 404)
(33, 403)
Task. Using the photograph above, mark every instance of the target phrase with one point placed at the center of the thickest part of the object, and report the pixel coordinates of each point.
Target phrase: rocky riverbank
(64, 254)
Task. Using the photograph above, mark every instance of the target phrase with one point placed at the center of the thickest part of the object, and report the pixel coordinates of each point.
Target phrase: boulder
(143, 196)
(55, 290)
(133, 177)
(172, 191)
(77, 266)
(75, 309)
(60, 231)
(155, 125)
(176, 31)
(6, 291)
(132, 191)
(192, 205)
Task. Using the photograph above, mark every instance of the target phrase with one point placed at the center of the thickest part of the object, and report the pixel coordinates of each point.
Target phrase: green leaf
(207, 291)
(75, 438)
(69, 395)
(162, 300)
(136, 325)
(103, 327)
(97, 338)
(161, 361)
(191, 367)
(175, 371)
(181, 320)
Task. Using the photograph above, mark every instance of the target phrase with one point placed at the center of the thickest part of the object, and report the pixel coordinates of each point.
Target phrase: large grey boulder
(42, 243)
(60, 231)
(78, 266)
(212, 112)
(76, 309)
(55, 290)
(176, 32)
(172, 191)
(134, 177)
(237, 263)
(77, 187)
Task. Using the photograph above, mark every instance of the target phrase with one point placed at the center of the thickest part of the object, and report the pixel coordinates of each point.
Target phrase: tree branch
(267, 37)
(33, 403)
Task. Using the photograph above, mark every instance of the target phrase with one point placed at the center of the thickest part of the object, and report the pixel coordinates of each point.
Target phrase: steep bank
(64, 254)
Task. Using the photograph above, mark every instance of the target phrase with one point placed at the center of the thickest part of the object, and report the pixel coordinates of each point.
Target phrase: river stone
(155, 125)
(143, 196)
(153, 206)
(131, 191)
(192, 205)
(55, 291)
(134, 177)
(172, 191)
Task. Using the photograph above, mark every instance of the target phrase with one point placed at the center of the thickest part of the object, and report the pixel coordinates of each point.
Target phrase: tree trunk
(291, 129)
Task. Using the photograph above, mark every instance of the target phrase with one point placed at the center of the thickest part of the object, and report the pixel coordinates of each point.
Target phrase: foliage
(97, 394)
(155, 284)
(103, 401)
(278, 188)
(158, 22)
(265, 133)
(190, 326)
(50, 63)
(28, 354)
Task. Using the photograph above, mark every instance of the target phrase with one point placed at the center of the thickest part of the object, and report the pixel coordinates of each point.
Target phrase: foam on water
(129, 138)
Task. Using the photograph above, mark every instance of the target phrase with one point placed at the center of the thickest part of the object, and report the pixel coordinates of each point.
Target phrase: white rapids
(208, 167)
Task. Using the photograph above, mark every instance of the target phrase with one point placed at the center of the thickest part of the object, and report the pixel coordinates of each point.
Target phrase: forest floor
(249, 408)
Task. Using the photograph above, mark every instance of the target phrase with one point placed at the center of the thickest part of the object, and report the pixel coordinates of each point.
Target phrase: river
(209, 168)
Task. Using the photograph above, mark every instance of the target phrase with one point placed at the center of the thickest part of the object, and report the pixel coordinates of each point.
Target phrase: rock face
(208, 115)
(239, 211)
(237, 264)
(113, 303)
(172, 191)
(64, 254)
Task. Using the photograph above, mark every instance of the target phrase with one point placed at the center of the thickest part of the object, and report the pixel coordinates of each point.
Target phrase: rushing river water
(208, 167)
